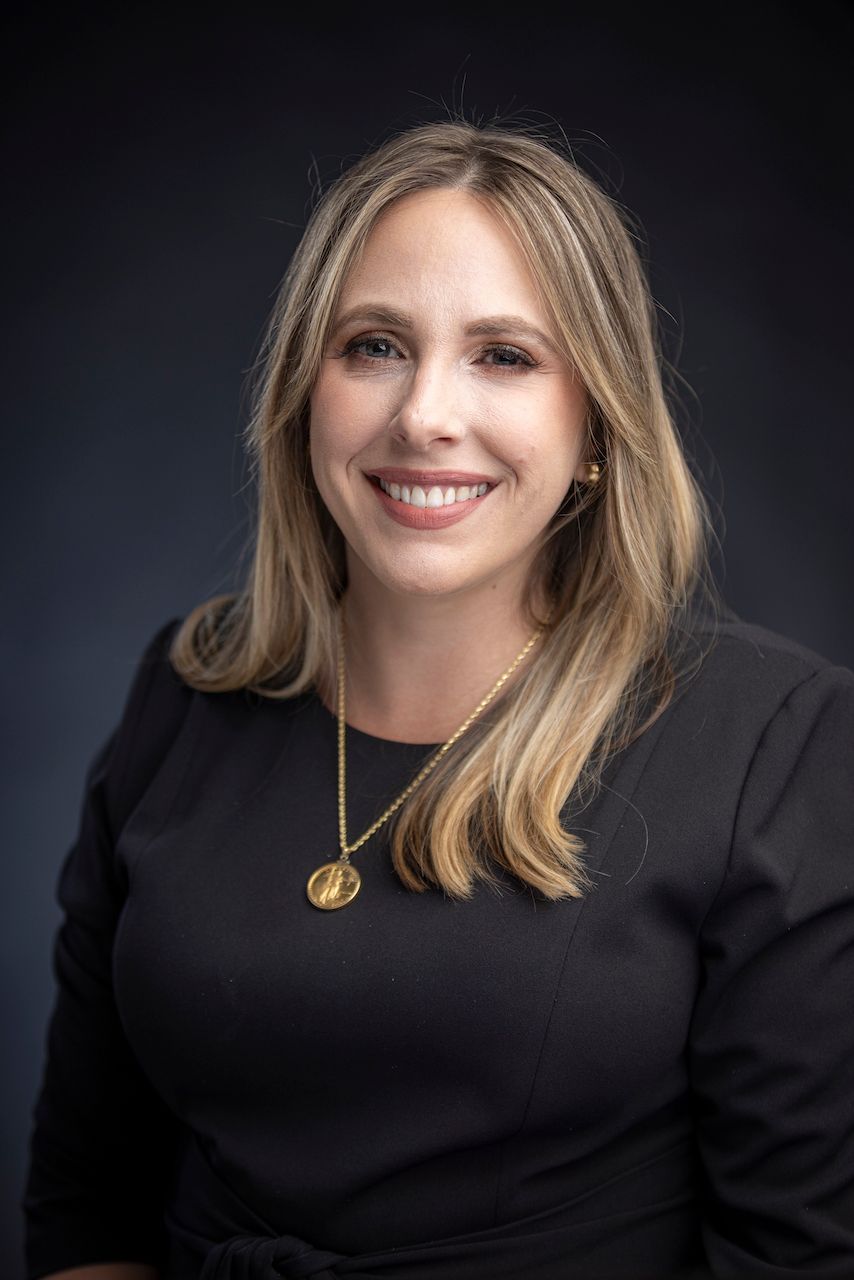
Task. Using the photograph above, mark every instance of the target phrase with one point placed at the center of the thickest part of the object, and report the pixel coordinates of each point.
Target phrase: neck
(418, 665)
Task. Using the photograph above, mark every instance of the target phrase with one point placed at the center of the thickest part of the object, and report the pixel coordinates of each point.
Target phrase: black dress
(654, 1081)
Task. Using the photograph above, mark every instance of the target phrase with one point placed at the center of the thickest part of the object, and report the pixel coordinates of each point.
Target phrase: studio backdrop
(161, 168)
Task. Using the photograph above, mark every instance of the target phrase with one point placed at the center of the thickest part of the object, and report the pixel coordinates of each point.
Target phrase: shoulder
(156, 706)
(750, 704)
(748, 639)
(154, 659)
(755, 672)
(157, 693)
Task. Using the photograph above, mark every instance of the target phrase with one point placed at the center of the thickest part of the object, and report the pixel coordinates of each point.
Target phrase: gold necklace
(336, 883)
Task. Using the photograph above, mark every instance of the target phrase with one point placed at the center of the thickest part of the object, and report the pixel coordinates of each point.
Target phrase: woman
(536, 963)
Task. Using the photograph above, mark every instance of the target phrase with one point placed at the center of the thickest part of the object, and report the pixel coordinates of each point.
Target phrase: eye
(374, 346)
(509, 358)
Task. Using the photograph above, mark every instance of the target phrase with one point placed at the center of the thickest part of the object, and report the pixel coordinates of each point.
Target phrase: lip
(424, 517)
(444, 479)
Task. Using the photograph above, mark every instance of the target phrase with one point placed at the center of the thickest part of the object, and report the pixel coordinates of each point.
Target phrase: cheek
(333, 434)
(543, 467)
(344, 418)
(542, 443)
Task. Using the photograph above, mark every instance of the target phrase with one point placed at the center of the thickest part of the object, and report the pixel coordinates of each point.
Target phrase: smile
(427, 506)
(416, 496)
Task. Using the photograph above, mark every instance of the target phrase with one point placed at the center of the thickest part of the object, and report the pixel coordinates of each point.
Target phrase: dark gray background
(160, 171)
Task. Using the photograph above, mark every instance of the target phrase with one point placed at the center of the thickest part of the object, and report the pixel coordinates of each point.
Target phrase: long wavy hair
(620, 564)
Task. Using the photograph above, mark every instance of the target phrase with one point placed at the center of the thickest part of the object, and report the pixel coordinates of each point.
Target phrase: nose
(430, 411)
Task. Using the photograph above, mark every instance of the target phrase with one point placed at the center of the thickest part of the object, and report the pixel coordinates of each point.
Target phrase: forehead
(443, 249)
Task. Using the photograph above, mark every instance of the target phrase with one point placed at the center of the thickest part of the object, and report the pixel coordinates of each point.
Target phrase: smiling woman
(528, 1022)
(492, 427)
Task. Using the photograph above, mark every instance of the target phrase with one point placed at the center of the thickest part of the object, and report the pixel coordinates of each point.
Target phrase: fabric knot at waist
(259, 1258)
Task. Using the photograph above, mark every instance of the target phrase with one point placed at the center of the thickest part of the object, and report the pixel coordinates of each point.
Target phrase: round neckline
(390, 742)
(363, 736)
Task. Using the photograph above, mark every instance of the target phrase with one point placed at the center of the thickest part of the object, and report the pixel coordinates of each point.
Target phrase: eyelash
(525, 361)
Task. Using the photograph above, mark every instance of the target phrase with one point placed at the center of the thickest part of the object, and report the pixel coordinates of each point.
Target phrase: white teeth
(434, 496)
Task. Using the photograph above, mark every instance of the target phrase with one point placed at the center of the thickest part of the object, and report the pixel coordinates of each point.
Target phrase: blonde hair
(621, 560)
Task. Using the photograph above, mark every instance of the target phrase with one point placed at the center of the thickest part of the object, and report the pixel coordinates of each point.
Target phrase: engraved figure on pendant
(333, 885)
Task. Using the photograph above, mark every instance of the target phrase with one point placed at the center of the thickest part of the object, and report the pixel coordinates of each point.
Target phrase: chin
(426, 585)
(421, 576)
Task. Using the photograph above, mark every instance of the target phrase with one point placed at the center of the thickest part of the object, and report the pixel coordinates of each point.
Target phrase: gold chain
(348, 849)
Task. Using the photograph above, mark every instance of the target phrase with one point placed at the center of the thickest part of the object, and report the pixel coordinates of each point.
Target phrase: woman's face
(445, 427)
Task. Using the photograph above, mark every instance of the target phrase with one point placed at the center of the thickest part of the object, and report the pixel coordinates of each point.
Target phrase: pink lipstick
(428, 499)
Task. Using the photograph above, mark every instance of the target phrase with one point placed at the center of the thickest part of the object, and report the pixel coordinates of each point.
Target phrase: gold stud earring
(592, 473)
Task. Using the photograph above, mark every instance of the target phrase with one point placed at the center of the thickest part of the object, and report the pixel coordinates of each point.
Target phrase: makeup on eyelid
(502, 349)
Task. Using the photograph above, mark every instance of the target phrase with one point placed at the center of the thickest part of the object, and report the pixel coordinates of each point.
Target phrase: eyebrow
(487, 326)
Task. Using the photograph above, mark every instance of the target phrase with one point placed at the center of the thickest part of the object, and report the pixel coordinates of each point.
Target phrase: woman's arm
(772, 1040)
(103, 1142)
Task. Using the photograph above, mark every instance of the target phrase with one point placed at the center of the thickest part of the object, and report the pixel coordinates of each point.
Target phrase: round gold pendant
(333, 885)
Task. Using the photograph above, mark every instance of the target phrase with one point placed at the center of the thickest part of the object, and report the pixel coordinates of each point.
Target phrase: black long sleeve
(772, 1043)
(103, 1142)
